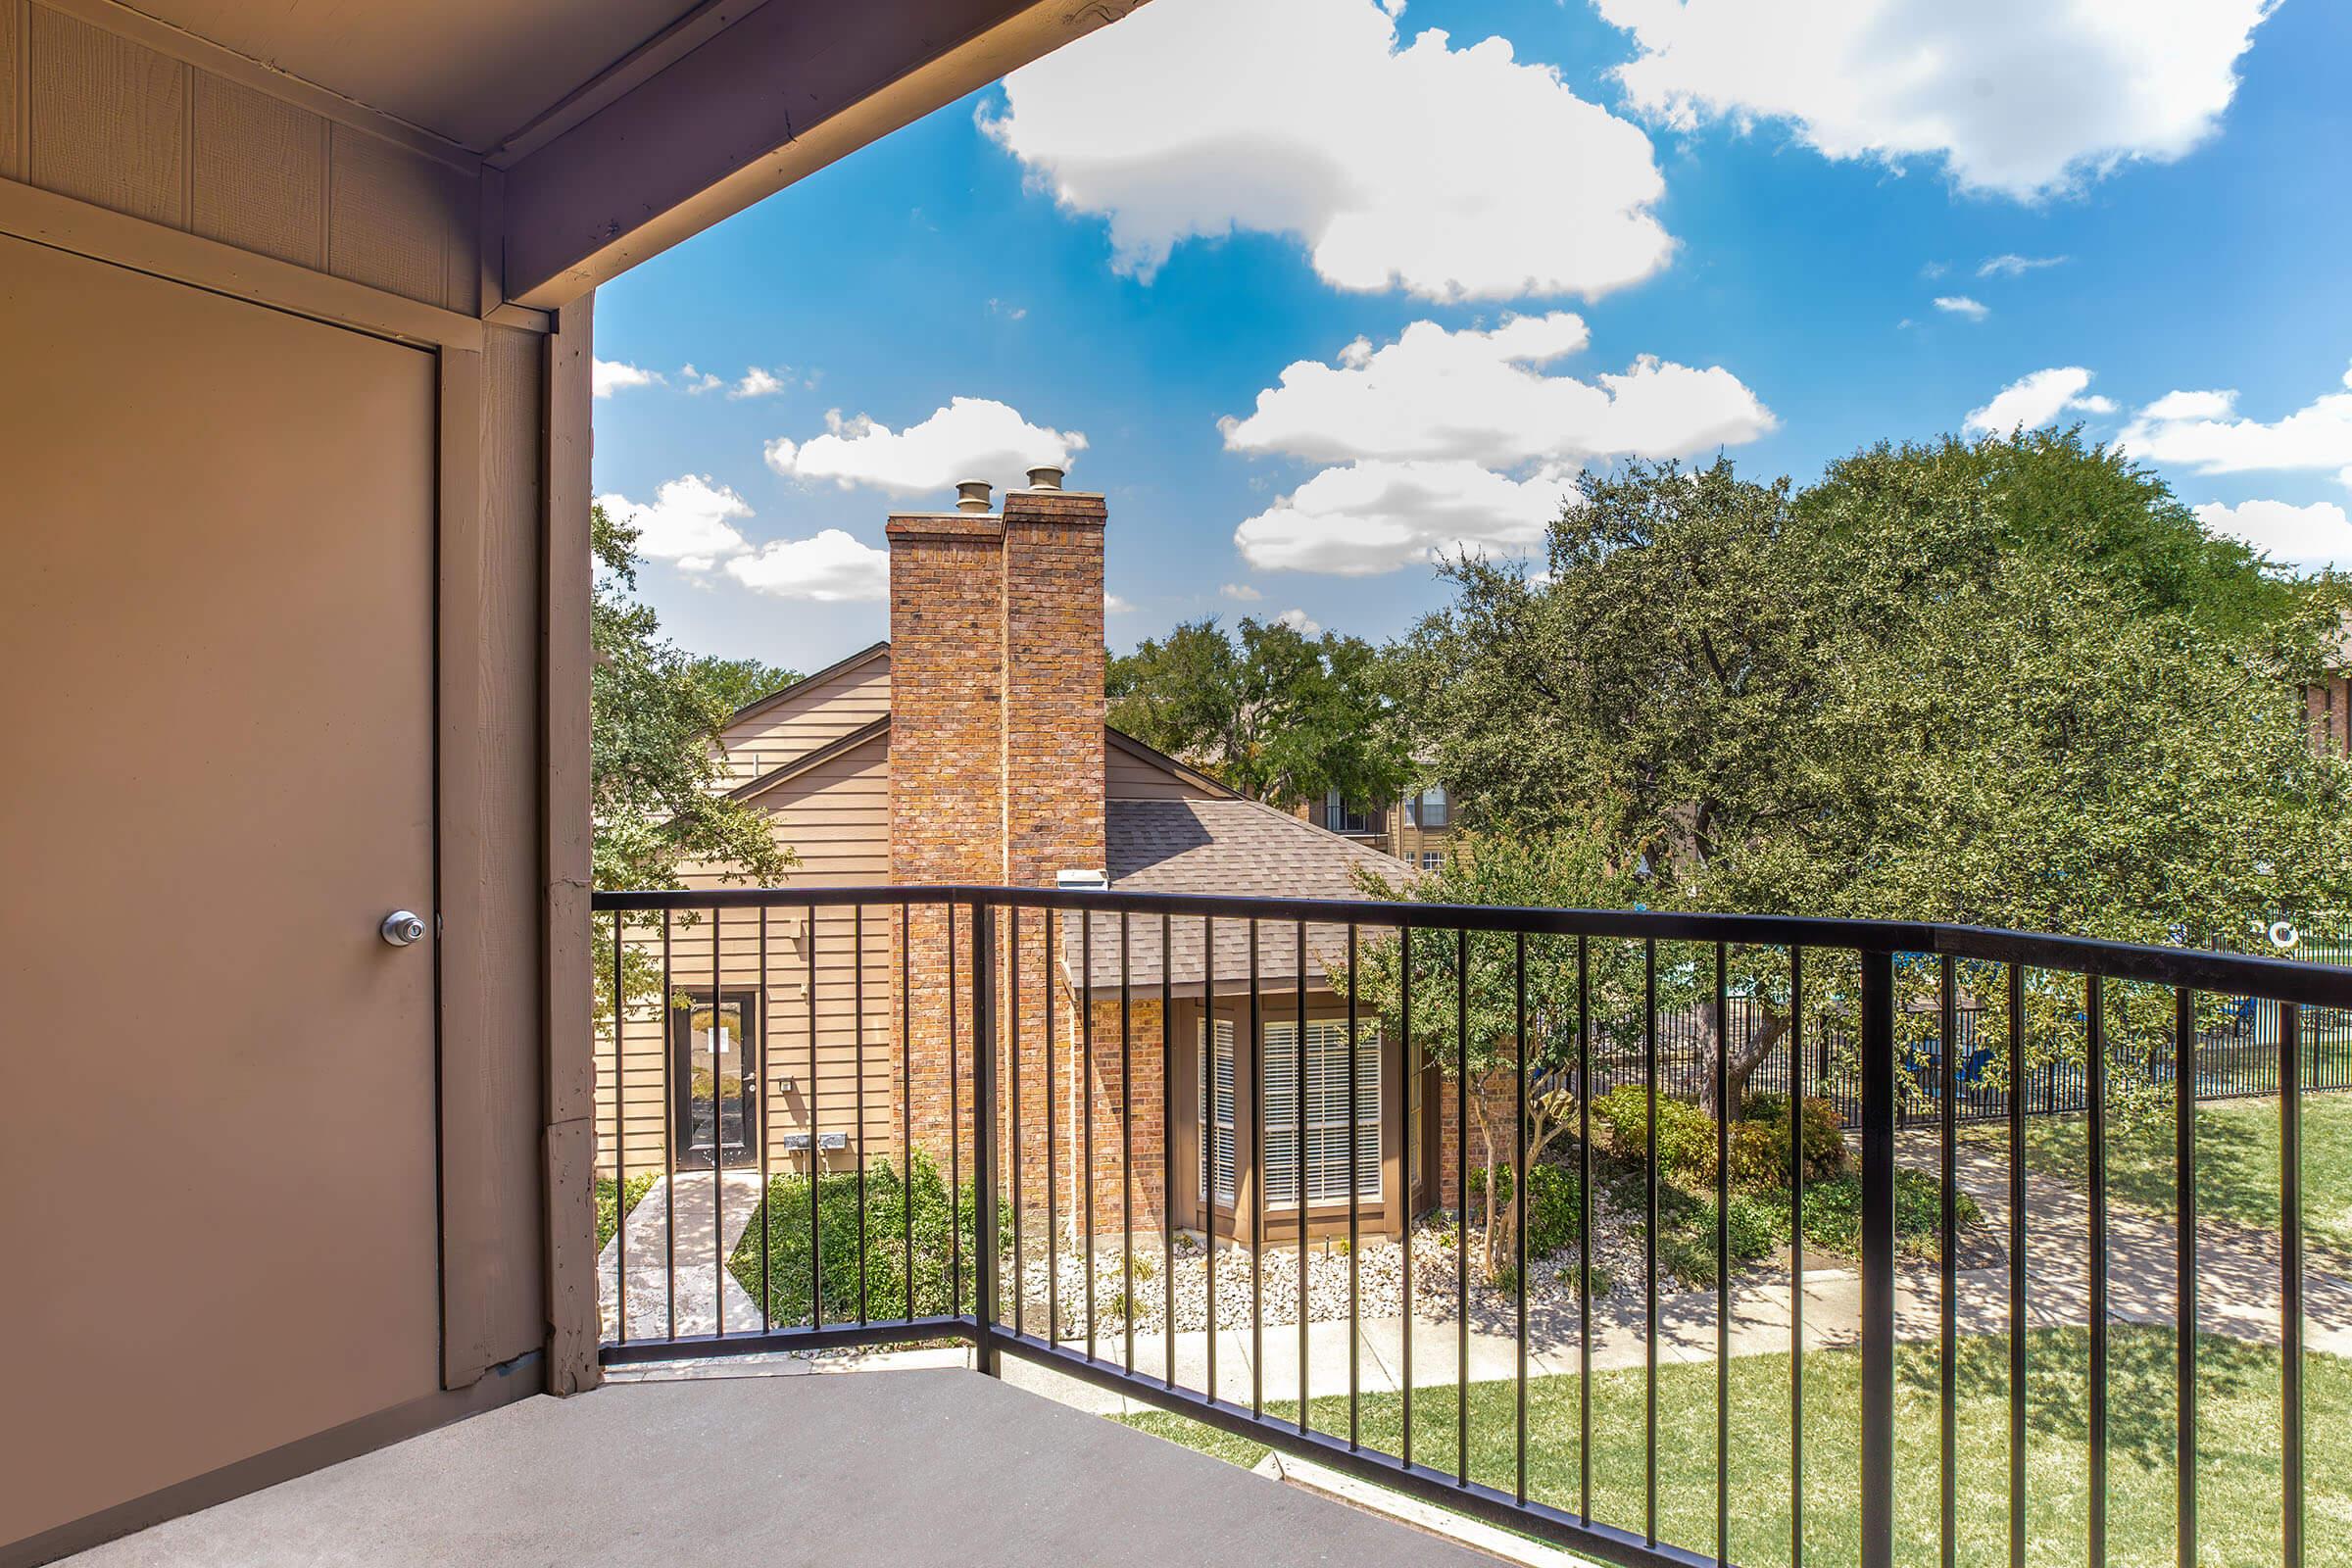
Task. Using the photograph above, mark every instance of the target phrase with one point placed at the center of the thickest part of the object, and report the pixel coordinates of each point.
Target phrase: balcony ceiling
(472, 71)
(623, 126)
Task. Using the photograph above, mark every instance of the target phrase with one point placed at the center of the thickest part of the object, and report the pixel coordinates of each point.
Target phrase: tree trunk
(1744, 1061)
(1485, 1137)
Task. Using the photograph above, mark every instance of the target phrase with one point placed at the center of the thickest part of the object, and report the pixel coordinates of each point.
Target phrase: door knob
(401, 927)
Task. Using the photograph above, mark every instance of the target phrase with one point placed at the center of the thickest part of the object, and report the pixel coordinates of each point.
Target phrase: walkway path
(705, 1291)
(2238, 1274)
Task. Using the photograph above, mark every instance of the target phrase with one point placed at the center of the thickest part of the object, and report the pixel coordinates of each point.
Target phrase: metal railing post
(990, 1358)
(1878, 1260)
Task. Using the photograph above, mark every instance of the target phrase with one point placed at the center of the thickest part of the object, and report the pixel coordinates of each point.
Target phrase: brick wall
(1499, 1094)
(1051, 646)
(1116, 1096)
(2329, 705)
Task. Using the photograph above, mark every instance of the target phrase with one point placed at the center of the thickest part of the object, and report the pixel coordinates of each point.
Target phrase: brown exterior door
(217, 1128)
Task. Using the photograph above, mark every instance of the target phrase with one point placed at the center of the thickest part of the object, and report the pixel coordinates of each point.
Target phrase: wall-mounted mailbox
(798, 1143)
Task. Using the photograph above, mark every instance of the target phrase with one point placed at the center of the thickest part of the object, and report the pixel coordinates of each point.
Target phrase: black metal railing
(948, 1180)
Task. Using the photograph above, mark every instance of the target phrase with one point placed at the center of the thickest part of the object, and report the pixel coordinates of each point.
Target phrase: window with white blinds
(1325, 1111)
(1216, 1122)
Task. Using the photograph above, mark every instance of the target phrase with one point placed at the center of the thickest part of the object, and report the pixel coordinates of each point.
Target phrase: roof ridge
(790, 686)
(1312, 826)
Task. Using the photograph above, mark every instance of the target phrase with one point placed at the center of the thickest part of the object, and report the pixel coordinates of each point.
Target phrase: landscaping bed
(1761, 1224)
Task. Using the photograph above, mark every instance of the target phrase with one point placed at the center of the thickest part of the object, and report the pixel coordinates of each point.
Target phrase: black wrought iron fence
(2236, 1055)
(1049, 1124)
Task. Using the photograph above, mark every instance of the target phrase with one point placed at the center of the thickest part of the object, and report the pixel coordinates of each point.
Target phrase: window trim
(1338, 815)
(1277, 1045)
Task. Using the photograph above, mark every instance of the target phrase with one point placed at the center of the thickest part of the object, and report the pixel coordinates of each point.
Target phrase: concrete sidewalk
(706, 1293)
(2237, 1296)
(2239, 1273)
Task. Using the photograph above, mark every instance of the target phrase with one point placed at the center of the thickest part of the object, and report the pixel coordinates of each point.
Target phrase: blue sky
(1133, 241)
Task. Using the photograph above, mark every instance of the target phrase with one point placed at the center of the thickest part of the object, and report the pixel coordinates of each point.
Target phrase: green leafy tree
(1280, 717)
(657, 776)
(739, 682)
(2047, 493)
(1466, 996)
(1989, 684)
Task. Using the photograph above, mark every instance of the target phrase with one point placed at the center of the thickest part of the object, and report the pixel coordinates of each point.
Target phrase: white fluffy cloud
(1962, 305)
(2204, 430)
(1300, 621)
(756, 383)
(971, 438)
(1484, 396)
(697, 381)
(1378, 516)
(2034, 401)
(828, 569)
(1113, 605)
(1450, 172)
(2317, 535)
(2024, 97)
(1241, 593)
(608, 376)
(690, 520)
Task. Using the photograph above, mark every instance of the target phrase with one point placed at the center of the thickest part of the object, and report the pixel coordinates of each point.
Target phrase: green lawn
(2237, 1161)
(609, 1205)
(2237, 1472)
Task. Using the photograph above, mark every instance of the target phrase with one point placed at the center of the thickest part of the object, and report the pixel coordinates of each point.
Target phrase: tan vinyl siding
(836, 818)
(1129, 778)
(817, 713)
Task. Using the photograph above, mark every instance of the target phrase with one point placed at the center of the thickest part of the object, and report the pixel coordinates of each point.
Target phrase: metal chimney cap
(973, 495)
(1045, 476)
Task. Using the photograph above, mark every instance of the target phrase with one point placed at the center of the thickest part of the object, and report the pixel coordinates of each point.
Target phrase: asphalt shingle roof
(1222, 846)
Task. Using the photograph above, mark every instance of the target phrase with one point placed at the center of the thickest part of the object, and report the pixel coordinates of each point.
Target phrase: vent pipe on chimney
(973, 495)
(1045, 477)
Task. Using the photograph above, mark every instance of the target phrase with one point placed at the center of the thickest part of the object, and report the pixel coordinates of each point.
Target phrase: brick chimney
(997, 705)
(996, 765)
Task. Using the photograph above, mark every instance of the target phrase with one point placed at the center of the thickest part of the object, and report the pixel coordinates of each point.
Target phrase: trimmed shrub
(1685, 1133)
(1834, 1215)
(1687, 1233)
(942, 1232)
(1760, 1142)
(1556, 1204)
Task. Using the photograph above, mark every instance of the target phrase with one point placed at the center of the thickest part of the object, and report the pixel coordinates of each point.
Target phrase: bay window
(1327, 1102)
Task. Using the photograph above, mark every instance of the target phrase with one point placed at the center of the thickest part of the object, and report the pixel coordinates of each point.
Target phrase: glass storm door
(714, 1067)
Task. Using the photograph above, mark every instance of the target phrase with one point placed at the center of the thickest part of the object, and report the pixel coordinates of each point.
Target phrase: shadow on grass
(2238, 1460)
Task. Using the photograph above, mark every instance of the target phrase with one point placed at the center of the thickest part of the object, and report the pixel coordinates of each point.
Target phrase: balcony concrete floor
(885, 1469)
